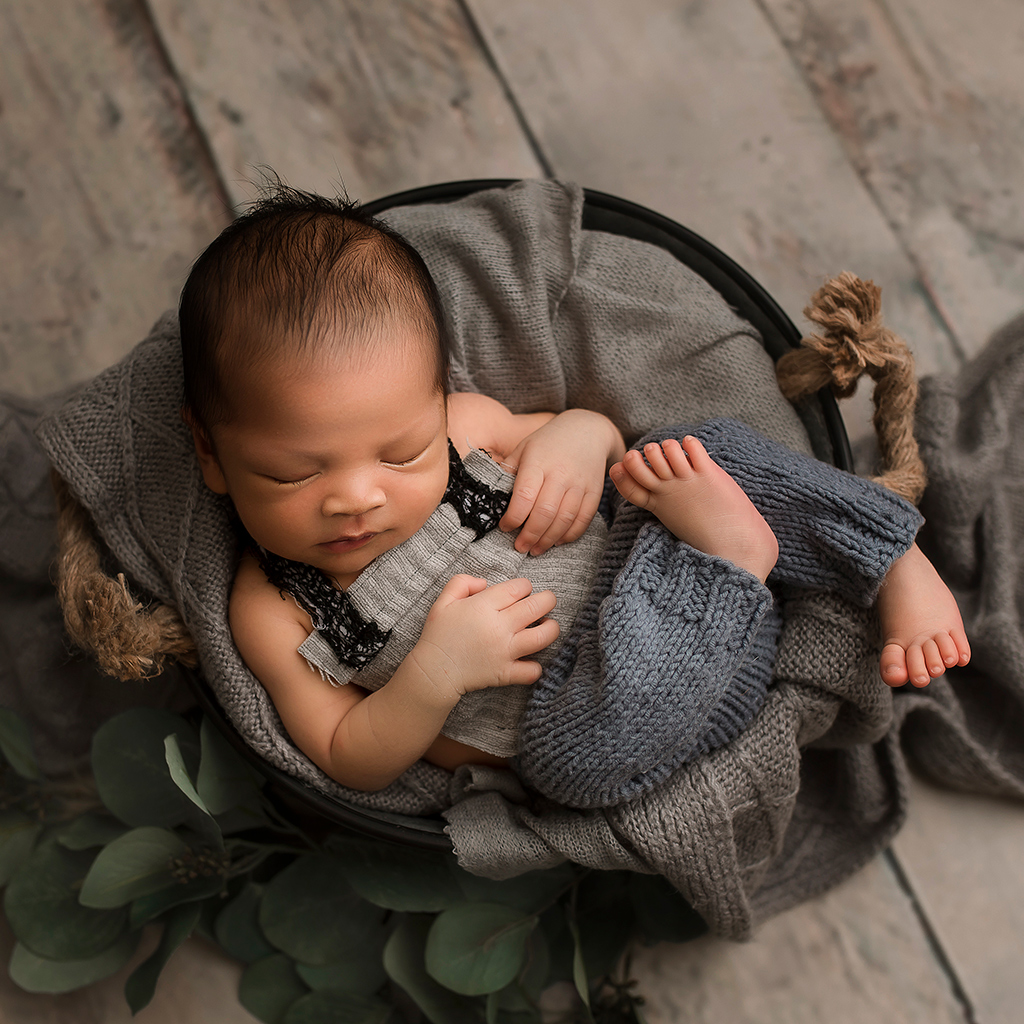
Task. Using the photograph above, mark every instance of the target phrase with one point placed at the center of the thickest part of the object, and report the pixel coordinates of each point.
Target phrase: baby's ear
(213, 474)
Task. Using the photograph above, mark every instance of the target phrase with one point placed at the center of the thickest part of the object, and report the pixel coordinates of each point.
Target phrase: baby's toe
(677, 458)
(917, 667)
(933, 658)
(638, 471)
(893, 665)
(947, 649)
(696, 453)
(962, 646)
(656, 457)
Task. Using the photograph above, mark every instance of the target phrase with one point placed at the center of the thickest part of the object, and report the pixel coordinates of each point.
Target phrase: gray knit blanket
(546, 316)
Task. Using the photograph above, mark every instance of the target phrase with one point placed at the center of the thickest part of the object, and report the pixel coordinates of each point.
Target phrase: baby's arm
(559, 461)
(474, 637)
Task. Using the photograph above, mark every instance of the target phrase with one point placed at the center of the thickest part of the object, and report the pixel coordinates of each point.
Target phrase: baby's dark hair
(293, 271)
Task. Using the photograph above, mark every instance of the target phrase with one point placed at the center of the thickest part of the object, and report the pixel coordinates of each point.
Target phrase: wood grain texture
(854, 956)
(381, 97)
(106, 193)
(964, 857)
(696, 110)
(926, 98)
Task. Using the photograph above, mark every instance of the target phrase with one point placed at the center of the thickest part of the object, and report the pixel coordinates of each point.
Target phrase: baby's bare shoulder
(257, 604)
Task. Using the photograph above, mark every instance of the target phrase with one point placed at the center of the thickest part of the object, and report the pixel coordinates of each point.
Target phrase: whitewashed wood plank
(199, 985)
(106, 193)
(926, 96)
(853, 956)
(696, 110)
(381, 97)
(964, 857)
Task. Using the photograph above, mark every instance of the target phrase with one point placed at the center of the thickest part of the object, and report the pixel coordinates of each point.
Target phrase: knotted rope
(100, 613)
(854, 342)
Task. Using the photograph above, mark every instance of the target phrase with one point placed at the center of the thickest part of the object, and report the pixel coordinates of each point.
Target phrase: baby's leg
(698, 502)
(922, 631)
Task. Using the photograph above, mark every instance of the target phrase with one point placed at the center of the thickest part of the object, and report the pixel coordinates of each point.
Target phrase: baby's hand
(475, 635)
(560, 470)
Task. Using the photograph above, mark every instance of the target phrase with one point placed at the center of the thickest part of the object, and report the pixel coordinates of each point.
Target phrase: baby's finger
(588, 509)
(529, 609)
(534, 639)
(522, 673)
(565, 517)
(507, 594)
(524, 497)
(458, 588)
(545, 508)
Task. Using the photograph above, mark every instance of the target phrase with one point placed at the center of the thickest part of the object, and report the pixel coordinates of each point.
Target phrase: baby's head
(305, 277)
(316, 362)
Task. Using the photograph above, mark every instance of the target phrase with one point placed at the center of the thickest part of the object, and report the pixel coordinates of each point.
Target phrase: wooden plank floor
(804, 137)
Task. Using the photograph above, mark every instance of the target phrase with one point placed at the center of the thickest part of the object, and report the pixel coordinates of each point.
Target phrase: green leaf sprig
(338, 932)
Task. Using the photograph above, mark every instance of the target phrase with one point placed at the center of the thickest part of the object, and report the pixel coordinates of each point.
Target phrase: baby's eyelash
(403, 462)
(291, 483)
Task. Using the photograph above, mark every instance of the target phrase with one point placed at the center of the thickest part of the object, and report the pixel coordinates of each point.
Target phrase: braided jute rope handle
(131, 641)
(853, 342)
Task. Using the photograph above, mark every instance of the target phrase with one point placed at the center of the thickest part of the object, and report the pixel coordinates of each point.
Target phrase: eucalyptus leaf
(201, 820)
(18, 835)
(477, 947)
(141, 983)
(338, 1008)
(662, 912)
(531, 892)
(134, 865)
(145, 908)
(269, 986)
(400, 877)
(179, 773)
(16, 744)
(225, 781)
(362, 974)
(37, 974)
(237, 927)
(130, 767)
(311, 913)
(404, 962)
(41, 904)
(91, 830)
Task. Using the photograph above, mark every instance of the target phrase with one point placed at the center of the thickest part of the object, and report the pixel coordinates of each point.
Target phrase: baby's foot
(698, 502)
(922, 631)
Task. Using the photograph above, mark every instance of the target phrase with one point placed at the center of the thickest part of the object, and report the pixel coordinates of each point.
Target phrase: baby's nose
(353, 498)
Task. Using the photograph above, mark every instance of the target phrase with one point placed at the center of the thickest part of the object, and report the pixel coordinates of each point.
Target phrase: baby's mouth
(349, 542)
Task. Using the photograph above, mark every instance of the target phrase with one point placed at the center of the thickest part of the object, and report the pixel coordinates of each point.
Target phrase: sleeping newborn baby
(394, 529)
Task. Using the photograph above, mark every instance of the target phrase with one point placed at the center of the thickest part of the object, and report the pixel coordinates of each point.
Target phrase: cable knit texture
(672, 655)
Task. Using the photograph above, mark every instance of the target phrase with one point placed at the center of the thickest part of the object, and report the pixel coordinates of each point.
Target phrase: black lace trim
(355, 640)
(478, 506)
